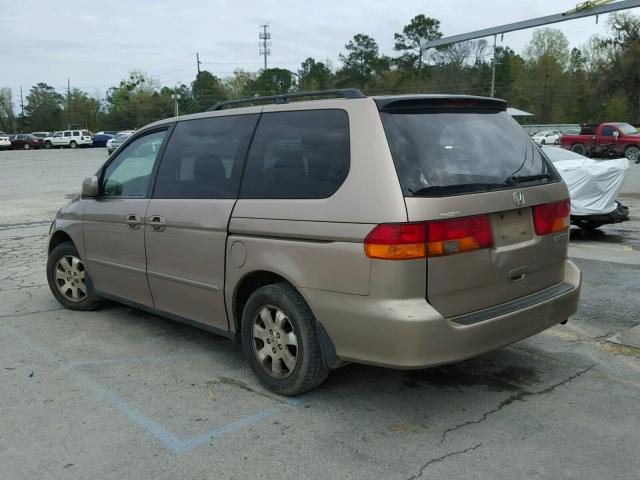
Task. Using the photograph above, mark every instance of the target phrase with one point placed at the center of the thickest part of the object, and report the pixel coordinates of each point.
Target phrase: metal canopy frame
(583, 10)
(535, 22)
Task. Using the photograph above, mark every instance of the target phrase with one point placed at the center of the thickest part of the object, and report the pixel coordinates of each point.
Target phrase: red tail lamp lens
(404, 241)
(551, 217)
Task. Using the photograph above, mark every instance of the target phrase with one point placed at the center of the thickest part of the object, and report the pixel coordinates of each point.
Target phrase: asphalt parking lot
(119, 393)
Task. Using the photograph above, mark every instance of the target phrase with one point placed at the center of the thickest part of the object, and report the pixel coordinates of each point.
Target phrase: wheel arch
(248, 284)
(58, 238)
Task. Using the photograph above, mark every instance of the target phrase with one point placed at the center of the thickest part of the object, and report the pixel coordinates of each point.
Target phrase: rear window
(300, 154)
(440, 153)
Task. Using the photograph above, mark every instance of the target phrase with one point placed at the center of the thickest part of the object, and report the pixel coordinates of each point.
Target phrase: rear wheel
(280, 339)
(73, 144)
(27, 146)
(68, 279)
(632, 154)
(579, 148)
(543, 142)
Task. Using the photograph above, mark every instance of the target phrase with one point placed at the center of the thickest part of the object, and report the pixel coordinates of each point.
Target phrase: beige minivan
(401, 231)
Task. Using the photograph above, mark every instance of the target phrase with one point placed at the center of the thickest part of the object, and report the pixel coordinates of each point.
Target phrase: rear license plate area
(511, 227)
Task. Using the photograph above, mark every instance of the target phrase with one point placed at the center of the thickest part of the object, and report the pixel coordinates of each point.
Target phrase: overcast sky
(96, 43)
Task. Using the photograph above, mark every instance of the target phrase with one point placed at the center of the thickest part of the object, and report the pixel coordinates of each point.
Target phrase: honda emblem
(518, 198)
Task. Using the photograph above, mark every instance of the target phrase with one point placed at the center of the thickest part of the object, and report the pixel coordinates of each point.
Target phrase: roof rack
(348, 93)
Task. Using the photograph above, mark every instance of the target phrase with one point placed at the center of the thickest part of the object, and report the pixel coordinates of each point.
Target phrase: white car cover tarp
(593, 185)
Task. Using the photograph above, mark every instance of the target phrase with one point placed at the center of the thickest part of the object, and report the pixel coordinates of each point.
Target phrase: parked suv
(402, 231)
(69, 138)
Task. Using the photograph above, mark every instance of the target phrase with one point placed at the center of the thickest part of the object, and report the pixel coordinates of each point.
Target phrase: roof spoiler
(440, 103)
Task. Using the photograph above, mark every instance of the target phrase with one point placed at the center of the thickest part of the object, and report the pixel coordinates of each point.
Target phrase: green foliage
(207, 89)
(43, 108)
(361, 63)
(7, 117)
(272, 81)
(313, 75)
(410, 43)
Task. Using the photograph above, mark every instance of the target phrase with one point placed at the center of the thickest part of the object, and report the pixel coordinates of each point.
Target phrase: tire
(632, 154)
(543, 142)
(281, 317)
(26, 146)
(579, 148)
(68, 280)
(47, 145)
(73, 144)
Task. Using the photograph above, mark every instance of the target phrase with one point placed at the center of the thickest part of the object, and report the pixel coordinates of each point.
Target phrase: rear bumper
(412, 334)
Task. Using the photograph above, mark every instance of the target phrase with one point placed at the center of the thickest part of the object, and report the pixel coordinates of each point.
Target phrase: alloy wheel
(275, 343)
(70, 278)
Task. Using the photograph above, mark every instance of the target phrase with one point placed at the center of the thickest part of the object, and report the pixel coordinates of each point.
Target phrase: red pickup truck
(606, 139)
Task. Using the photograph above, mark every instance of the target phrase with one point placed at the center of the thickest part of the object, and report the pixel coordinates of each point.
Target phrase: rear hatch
(494, 208)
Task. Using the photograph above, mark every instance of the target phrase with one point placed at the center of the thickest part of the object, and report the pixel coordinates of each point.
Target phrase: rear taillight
(551, 217)
(402, 241)
(459, 235)
(396, 241)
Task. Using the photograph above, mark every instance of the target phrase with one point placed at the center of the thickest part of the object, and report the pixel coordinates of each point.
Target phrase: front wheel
(47, 144)
(68, 279)
(632, 154)
(280, 339)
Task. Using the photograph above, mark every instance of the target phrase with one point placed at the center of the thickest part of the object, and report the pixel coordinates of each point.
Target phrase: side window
(608, 131)
(58, 135)
(67, 134)
(128, 175)
(204, 158)
(299, 154)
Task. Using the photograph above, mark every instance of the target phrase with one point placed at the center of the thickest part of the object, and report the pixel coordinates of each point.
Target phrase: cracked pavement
(119, 393)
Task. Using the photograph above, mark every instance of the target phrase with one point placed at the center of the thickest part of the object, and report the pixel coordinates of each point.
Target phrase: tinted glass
(204, 158)
(129, 173)
(298, 155)
(608, 131)
(455, 152)
(67, 134)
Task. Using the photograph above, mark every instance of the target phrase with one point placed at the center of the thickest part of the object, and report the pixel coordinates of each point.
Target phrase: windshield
(627, 129)
(456, 152)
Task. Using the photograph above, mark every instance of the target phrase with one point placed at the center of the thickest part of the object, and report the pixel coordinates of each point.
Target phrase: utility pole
(198, 62)
(21, 111)
(176, 97)
(264, 37)
(493, 68)
(68, 103)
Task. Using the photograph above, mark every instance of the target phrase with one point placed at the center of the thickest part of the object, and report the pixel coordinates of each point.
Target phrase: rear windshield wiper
(529, 178)
(438, 190)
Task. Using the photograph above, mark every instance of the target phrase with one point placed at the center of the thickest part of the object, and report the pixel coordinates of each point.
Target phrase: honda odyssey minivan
(400, 231)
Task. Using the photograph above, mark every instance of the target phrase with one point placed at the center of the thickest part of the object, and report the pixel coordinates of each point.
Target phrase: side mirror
(90, 187)
(616, 134)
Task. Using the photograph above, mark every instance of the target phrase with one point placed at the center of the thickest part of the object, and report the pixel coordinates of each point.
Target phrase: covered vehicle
(593, 186)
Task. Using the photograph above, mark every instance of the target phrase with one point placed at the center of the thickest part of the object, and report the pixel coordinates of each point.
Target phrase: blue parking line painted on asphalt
(162, 434)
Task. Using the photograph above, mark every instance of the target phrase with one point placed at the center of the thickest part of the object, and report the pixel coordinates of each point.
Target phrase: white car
(69, 138)
(547, 137)
(593, 187)
(5, 143)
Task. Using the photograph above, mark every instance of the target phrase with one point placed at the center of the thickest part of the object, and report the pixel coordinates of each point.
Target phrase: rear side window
(67, 134)
(300, 154)
(204, 158)
(455, 152)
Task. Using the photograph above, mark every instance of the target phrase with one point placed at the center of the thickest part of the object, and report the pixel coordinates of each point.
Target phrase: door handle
(133, 221)
(157, 223)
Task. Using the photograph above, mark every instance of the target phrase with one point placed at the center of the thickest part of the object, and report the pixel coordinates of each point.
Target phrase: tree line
(599, 81)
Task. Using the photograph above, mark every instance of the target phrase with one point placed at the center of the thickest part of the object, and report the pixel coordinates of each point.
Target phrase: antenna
(264, 37)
